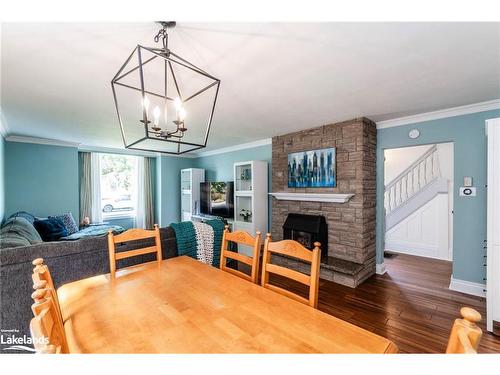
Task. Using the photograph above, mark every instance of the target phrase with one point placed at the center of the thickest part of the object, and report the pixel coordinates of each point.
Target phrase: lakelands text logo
(9, 337)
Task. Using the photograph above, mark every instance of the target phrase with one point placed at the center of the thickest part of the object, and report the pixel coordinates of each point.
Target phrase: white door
(493, 254)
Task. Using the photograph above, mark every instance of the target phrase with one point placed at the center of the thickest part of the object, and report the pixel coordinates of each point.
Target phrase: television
(216, 199)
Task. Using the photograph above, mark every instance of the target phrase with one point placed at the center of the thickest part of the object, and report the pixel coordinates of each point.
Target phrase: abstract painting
(314, 168)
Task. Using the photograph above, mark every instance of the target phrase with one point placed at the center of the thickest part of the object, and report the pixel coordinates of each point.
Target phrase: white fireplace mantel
(313, 197)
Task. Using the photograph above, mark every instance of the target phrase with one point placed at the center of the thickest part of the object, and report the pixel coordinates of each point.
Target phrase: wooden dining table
(181, 305)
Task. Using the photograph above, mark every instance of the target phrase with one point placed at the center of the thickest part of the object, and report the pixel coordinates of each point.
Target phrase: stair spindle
(432, 166)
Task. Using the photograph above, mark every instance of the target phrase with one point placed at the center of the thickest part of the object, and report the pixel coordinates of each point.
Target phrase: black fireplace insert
(307, 229)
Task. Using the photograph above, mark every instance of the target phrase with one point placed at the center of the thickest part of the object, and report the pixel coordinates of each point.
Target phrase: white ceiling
(275, 77)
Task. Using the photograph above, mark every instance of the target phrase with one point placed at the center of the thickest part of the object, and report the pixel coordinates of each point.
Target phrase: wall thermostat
(414, 133)
(467, 191)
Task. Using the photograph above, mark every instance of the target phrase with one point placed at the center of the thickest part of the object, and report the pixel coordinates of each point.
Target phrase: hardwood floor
(410, 304)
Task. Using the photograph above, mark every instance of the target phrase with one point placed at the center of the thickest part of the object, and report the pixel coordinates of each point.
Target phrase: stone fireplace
(349, 257)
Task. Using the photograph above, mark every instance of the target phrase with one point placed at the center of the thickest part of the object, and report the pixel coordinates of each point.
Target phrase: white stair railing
(413, 179)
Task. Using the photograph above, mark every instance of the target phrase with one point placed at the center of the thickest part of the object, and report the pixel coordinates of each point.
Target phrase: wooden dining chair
(42, 279)
(46, 328)
(132, 235)
(295, 250)
(465, 334)
(241, 238)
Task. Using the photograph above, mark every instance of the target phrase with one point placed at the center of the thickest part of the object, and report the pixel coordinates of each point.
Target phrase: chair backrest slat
(134, 234)
(242, 238)
(291, 274)
(295, 250)
(128, 236)
(465, 334)
(291, 248)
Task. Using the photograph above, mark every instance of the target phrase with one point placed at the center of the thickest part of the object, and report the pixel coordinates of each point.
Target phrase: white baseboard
(467, 287)
(380, 268)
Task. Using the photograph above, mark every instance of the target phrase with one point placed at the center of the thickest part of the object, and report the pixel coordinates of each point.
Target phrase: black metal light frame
(169, 57)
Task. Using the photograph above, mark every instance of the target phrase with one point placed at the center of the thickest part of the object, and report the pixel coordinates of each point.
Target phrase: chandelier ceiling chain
(156, 129)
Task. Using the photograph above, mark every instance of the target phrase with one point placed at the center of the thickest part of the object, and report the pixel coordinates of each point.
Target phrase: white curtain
(148, 193)
(144, 196)
(96, 188)
(140, 218)
(85, 185)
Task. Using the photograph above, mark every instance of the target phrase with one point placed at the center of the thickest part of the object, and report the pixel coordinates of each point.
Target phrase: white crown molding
(467, 287)
(380, 268)
(40, 141)
(443, 113)
(261, 142)
(109, 150)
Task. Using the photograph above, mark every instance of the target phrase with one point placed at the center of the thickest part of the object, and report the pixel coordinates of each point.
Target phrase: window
(118, 174)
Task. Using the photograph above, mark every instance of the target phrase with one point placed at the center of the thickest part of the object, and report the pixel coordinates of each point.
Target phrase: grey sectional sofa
(68, 261)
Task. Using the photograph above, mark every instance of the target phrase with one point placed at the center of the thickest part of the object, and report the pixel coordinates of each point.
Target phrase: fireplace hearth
(307, 229)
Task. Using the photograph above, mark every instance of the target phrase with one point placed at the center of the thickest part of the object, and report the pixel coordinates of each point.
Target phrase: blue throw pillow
(68, 221)
(50, 229)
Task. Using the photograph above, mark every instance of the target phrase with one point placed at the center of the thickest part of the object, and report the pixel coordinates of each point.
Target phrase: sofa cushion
(12, 239)
(23, 214)
(20, 231)
(51, 229)
(68, 221)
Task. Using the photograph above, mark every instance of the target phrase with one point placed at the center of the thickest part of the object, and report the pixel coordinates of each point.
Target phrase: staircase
(413, 188)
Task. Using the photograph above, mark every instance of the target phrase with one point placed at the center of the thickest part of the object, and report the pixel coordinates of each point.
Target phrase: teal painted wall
(219, 167)
(467, 132)
(2, 178)
(41, 179)
(168, 187)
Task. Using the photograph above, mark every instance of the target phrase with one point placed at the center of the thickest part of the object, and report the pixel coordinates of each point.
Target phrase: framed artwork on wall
(316, 168)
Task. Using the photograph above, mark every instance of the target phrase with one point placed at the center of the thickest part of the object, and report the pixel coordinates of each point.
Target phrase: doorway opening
(418, 202)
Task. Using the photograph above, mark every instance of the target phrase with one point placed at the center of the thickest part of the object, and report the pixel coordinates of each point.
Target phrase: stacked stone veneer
(351, 225)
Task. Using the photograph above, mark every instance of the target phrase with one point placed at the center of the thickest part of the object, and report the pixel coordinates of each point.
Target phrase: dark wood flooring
(410, 304)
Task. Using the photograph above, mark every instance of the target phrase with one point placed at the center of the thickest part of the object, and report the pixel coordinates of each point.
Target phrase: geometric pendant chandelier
(164, 103)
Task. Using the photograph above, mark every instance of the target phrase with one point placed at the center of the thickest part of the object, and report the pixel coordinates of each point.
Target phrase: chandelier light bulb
(182, 114)
(156, 115)
(177, 104)
(145, 103)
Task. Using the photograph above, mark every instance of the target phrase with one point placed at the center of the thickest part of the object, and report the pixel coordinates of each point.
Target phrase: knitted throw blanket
(201, 241)
(218, 228)
(205, 242)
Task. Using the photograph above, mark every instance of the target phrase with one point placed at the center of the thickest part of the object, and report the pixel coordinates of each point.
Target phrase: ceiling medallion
(164, 103)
